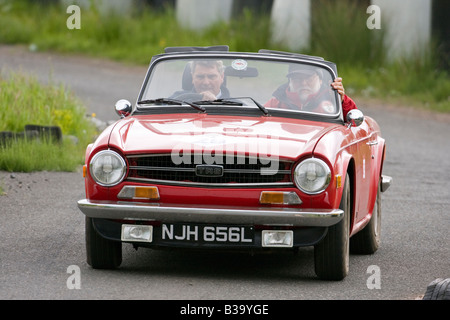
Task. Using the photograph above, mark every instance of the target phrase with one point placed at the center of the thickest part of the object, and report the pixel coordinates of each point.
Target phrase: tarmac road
(42, 253)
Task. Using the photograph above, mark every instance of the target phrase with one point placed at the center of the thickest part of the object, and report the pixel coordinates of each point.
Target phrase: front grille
(237, 171)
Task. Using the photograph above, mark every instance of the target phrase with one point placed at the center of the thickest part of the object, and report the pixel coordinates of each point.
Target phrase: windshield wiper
(259, 105)
(233, 102)
(172, 101)
(227, 102)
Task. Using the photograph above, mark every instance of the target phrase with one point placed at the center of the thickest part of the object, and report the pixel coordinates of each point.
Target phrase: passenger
(304, 91)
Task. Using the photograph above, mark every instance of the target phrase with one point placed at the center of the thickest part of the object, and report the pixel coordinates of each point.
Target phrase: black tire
(367, 241)
(438, 289)
(101, 253)
(332, 254)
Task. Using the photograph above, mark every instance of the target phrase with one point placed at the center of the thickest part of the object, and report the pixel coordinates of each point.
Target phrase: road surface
(42, 253)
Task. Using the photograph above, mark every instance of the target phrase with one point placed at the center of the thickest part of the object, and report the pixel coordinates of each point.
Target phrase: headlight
(312, 176)
(107, 168)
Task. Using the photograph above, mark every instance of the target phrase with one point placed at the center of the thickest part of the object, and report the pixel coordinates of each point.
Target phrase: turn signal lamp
(279, 197)
(338, 181)
(139, 192)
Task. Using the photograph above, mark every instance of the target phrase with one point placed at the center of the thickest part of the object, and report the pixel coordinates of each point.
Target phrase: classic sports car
(206, 159)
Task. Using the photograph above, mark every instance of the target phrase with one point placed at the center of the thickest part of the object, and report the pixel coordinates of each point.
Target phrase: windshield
(243, 82)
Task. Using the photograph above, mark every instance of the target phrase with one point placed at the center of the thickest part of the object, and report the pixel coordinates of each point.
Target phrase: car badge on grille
(205, 170)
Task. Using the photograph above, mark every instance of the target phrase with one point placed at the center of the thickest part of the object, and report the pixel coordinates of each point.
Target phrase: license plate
(212, 234)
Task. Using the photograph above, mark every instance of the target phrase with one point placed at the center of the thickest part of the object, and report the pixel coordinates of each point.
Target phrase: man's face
(305, 85)
(207, 78)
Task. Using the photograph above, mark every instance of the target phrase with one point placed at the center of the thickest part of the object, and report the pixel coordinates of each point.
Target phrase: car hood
(272, 136)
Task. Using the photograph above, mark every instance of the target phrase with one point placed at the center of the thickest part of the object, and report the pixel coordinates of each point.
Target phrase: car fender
(336, 149)
(94, 190)
(378, 156)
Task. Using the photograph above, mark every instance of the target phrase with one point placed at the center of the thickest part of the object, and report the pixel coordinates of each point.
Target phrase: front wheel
(101, 253)
(332, 254)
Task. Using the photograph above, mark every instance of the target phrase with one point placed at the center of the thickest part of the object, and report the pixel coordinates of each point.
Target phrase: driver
(304, 91)
(207, 79)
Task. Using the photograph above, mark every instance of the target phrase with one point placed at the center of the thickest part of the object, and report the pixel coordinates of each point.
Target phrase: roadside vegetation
(25, 101)
(133, 38)
(339, 34)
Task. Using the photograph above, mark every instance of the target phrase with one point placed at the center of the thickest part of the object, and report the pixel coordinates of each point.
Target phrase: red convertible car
(234, 150)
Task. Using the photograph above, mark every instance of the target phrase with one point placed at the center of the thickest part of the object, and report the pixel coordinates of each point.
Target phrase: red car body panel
(164, 134)
(296, 139)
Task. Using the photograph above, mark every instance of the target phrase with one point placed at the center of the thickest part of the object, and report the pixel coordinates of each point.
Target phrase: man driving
(207, 81)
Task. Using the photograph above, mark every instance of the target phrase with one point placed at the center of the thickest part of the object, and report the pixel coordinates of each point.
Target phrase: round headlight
(107, 168)
(312, 176)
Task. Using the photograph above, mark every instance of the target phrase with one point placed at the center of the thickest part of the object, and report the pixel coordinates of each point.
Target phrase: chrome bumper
(211, 214)
(385, 182)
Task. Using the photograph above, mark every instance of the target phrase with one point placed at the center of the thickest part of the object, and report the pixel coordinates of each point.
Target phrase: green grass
(23, 100)
(409, 82)
(339, 34)
(361, 59)
(28, 156)
(132, 38)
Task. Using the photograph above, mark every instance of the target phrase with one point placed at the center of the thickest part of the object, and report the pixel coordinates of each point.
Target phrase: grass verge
(23, 100)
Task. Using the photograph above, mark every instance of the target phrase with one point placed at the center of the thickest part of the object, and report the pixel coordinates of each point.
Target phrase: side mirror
(123, 108)
(354, 118)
